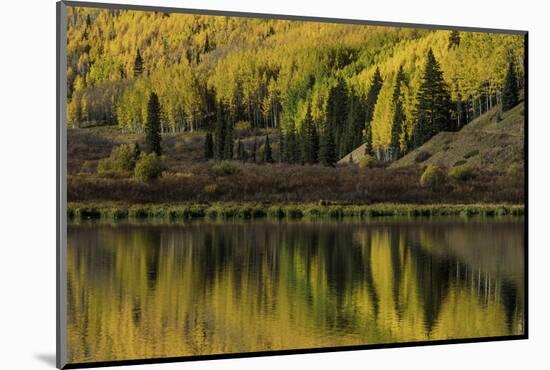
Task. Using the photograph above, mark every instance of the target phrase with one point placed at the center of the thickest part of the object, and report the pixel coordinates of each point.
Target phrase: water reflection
(139, 291)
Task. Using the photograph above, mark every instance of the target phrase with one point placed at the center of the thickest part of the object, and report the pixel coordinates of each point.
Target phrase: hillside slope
(485, 142)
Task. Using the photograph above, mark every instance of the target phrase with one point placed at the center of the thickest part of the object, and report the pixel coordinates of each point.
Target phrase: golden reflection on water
(148, 291)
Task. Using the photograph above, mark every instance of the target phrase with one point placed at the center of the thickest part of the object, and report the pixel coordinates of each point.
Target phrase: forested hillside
(327, 88)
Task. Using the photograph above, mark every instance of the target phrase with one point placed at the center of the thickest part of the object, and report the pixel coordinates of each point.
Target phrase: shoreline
(244, 210)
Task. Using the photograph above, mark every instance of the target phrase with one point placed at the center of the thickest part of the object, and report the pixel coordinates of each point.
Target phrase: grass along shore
(114, 211)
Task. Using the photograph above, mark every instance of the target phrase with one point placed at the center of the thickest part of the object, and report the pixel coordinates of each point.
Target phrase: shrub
(432, 177)
(243, 127)
(211, 189)
(366, 162)
(515, 171)
(422, 156)
(471, 154)
(148, 167)
(462, 173)
(224, 168)
(105, 167)
(124, 157)
(87, 167)
(121, 161)
(460, 163)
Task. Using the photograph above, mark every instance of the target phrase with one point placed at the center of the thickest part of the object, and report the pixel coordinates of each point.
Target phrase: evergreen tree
(337, 111)
(228, 144)
(372, 98)
(292, 152)
(510, 94)
(327, 150)
(254, 149)
(219, 134)
(454, 39)
(309, 139)
(368, 140)
(398, 117)
(152, 127)
(433, 107)
(137, 151)
(240, 151)
(138, 65)
(267, 154)
(281, 146)
(351, 136)
(208, 146)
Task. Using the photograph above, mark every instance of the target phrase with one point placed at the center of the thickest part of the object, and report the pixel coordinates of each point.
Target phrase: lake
(149, 290)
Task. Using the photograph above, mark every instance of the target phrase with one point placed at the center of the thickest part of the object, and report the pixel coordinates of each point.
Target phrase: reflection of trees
(209, 288)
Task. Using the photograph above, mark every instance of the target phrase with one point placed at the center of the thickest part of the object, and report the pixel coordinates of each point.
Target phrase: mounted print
(234, 184)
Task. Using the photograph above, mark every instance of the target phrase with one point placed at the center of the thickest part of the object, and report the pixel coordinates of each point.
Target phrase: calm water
(139, 291)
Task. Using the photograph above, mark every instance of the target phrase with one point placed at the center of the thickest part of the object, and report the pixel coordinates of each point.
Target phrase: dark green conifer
(267, 154)
(138, 65)
(309, 139)
(454, 39)
(152, 127)
(510, 95)
(291, 145)
(228, 144)
(219, 134)
(208, 146)
(336, 116)
(372, 96)
(433, 107)
(254, 150)
(398, 117)
(327, 147)
(240, 151)
(368, 140)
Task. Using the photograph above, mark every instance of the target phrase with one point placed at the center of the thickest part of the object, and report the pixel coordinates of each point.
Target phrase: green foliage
(228, 142)
(138, 65)
(292, 150)
(219, 134)
(121, 160)
(516, 171)
(433, 108)
(224, 168)
(372, 96)
(87, 167)
(241, 154)
(152, 128)
(454, 39)
(460, 163)
(327, 147)
(471, 153)
(125, 156)
(265, 72)
(208, 146)
(422, 156)
(267, 155)
(111, 211)
(398, 121)
(148, 167)
(254, 150)
(510, 94)
(462, 173)
(433, 177)
(366, 162)
(309, 139)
